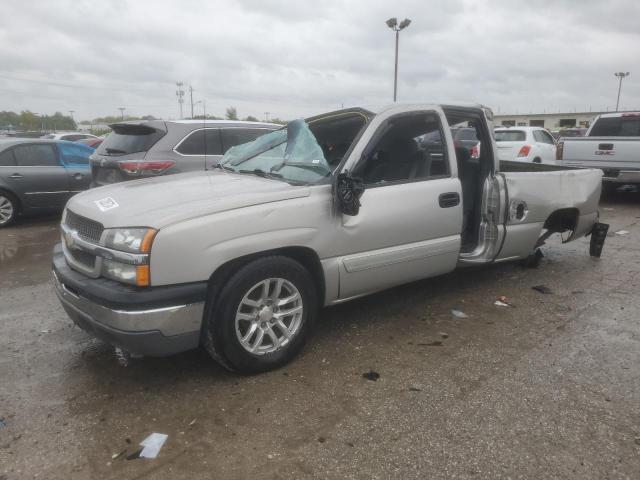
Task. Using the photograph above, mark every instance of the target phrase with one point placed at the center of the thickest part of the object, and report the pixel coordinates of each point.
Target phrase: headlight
(132, 240)
(136, 241)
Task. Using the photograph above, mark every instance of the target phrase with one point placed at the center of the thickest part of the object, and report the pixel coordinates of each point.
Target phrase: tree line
(27, 120)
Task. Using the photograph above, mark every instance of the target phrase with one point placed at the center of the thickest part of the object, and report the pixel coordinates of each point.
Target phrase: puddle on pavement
(25, 251)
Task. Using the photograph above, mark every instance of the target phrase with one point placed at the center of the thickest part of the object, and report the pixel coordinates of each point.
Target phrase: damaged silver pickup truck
(240, 258)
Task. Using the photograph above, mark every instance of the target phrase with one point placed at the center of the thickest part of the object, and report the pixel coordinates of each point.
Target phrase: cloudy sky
(296, 58)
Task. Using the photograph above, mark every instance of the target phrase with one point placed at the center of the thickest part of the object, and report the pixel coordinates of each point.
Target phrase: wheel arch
(306, 256)
(562, 220)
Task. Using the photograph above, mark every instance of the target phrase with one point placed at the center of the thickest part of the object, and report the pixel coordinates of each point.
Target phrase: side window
(43, 155)
(200, 142)
(6, 159)
(75, 154)
(537, 136)
(237, 136)
(547, 138)
(411, 149)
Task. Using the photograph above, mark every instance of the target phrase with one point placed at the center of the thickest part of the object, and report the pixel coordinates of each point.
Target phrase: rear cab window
(510, 136)
(622, 126)
(126, 139)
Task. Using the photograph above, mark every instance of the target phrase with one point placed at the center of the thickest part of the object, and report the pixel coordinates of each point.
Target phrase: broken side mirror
(348, 191)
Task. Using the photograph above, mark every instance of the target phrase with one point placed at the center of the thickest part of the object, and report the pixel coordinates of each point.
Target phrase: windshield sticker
(105, 204)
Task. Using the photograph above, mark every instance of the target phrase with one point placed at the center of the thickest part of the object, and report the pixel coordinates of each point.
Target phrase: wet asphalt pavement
(547, 388)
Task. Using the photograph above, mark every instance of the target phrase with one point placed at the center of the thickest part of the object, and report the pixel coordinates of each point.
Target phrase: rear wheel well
(303, 255)
(562, 220)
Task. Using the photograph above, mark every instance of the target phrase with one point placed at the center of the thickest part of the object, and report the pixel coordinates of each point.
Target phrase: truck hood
(161, 201)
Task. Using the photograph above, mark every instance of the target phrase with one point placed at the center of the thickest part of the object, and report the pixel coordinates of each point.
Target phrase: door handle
(77, 176)
(16, 176)
(448, 200)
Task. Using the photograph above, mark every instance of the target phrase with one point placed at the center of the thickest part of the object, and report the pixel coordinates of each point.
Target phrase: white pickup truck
(240, 258)
(611, 144)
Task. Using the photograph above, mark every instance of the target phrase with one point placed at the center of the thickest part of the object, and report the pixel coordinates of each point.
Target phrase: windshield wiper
(302, 165)
(261, 173)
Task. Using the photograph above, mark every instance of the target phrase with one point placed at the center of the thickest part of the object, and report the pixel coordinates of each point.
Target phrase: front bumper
(140, 323)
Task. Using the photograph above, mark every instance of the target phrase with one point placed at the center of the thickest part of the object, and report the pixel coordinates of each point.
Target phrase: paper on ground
(152, 445)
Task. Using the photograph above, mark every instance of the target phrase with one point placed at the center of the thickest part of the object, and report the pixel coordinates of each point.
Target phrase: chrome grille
(89, 230)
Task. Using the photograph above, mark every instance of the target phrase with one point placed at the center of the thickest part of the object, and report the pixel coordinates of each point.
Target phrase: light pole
(204, 108)
(122, 109)
(191, 96)
(266, 116)
(180, 95)
(392, 23)
(620, 75)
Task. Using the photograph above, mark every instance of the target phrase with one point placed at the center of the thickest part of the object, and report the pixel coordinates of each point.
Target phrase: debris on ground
(542, 289)
(371, 375)
(192, 422)
(123, 357)
(414, 389)
(444, 334)
(115, 456)
(2, 423)
(135, 455)
(152, 445)
(436, 343)
(622, 233)
(459, 314)
(502, 301)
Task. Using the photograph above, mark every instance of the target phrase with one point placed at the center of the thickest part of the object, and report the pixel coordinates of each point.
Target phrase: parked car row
(140, 149)
(40, 175)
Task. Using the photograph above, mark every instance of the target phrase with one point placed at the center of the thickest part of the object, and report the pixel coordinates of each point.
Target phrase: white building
(88, 127)
(550, 121)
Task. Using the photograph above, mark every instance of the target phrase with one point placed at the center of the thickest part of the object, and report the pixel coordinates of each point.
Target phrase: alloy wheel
(269, 316)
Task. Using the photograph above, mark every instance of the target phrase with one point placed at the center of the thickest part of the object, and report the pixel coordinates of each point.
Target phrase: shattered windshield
(291, 154)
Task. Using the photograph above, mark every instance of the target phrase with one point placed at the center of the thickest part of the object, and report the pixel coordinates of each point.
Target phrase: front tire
(8, 209)
(263, 315)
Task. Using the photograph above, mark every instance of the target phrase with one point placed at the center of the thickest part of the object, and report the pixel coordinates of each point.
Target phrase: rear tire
(262, 317)
(537, 160)
(8, 209)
